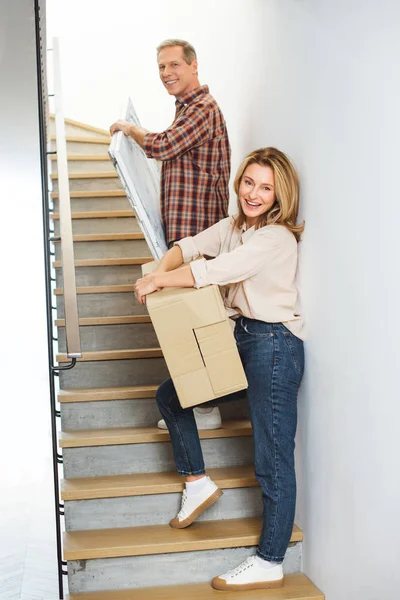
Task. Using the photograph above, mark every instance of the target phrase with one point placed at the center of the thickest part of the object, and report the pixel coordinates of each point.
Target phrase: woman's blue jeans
(273, 359)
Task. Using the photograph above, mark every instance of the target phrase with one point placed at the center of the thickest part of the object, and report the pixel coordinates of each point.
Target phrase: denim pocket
(257, 328)
(296, 350)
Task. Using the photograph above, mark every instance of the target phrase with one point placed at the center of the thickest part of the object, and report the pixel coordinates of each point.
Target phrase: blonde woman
(253, 257)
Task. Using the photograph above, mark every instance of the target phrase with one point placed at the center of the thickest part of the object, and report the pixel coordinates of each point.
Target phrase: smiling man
(194, 150)
(195, 155)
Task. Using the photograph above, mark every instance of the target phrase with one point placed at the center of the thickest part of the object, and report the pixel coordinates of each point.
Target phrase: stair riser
(86, 166)
(135, 511)
(152, 457)
(113, 373)
(92, 184)
(96, 204)
(112, 225)
(113, 337)
(104, 305)
(140, 412)
(112, 275)
(164, 569)
(83, 147)
(112, 249)
(75, 130)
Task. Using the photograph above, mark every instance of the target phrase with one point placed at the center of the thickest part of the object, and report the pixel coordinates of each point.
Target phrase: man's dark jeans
(273, 359)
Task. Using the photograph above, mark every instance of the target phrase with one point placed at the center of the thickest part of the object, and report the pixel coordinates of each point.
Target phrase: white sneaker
(249, 576)
(210, 420)
(194, 505)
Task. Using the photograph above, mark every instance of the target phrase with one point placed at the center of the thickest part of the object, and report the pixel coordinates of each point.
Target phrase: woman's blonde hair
(285, 209)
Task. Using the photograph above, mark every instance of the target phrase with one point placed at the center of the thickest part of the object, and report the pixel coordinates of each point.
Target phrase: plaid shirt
(195, 155)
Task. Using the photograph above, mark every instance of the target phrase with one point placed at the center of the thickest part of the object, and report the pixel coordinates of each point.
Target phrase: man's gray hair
(189, 53)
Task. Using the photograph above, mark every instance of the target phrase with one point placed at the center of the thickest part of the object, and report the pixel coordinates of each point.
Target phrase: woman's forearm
(178, 278)
(171, 260)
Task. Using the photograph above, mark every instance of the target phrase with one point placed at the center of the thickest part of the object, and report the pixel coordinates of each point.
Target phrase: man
(195, 155)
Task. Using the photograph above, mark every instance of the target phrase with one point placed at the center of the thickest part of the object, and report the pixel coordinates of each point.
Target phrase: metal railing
(71, 312)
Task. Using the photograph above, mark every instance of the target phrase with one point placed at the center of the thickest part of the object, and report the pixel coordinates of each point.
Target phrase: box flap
(220, 355)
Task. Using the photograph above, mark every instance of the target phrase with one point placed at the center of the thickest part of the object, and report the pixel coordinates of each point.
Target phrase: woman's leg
(273, 360)
(183, 431)
(200, 492)
(274, 368)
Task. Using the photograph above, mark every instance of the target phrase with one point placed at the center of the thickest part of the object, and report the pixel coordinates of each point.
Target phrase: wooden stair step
(297, 587)
(100, 289)
(104, 237)
(113, 355)
(88, 157)
(157, 539)
(101, 175)
(97, 214)
(107, 262)
(88, 140)
(139, 435)
(123, 320)
(93, 194)
(85, 126)
(114, 393)
(140, 484)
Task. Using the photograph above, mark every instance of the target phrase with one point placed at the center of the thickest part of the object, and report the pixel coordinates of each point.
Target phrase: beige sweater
(255, 269)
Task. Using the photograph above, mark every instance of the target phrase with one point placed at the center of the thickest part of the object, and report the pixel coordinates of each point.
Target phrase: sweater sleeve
(241, 263)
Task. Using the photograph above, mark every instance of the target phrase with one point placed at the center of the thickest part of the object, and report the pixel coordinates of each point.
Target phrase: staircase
(120, 488)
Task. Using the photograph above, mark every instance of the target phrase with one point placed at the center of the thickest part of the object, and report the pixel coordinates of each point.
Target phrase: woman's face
(256, 192)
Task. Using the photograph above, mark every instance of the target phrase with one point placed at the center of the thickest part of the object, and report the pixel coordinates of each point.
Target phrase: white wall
(320, 80)
(332, 104)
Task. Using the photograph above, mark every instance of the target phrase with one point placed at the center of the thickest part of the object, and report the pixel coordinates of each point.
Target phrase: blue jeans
(273, 359)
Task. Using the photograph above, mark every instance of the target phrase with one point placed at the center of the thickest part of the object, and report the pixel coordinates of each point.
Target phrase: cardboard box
(197, 341)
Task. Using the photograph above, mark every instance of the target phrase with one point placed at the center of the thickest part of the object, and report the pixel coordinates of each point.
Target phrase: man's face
(177, 76)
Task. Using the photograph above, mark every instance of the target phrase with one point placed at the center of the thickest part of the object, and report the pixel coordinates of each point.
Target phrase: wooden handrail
(73, 341)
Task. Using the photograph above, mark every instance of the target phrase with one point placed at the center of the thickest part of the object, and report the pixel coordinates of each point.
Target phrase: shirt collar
(247, 233)
(192, 95)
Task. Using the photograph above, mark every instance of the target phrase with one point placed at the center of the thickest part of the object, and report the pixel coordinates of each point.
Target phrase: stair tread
(100, 175)
(113, 355)
(139, 484)
(84, 126)
(88, 140)
(104, 237)
(97, 214)
(100, 289)
(107, 262)
(297, 587)
(88, 157)
(113, 393)
(117, 320)
(93, 194)
(156, 539)
(139, 435)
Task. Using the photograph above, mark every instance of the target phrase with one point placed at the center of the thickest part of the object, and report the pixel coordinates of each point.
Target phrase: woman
(253, 257)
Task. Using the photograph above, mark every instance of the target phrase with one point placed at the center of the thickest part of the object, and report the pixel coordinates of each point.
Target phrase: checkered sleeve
(189, 131)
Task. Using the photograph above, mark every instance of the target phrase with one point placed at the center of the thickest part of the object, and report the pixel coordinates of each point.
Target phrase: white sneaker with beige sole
(250, 575)
(193, 505)
(205, 418)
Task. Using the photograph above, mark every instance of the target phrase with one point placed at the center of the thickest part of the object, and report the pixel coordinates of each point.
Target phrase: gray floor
(28, 560)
